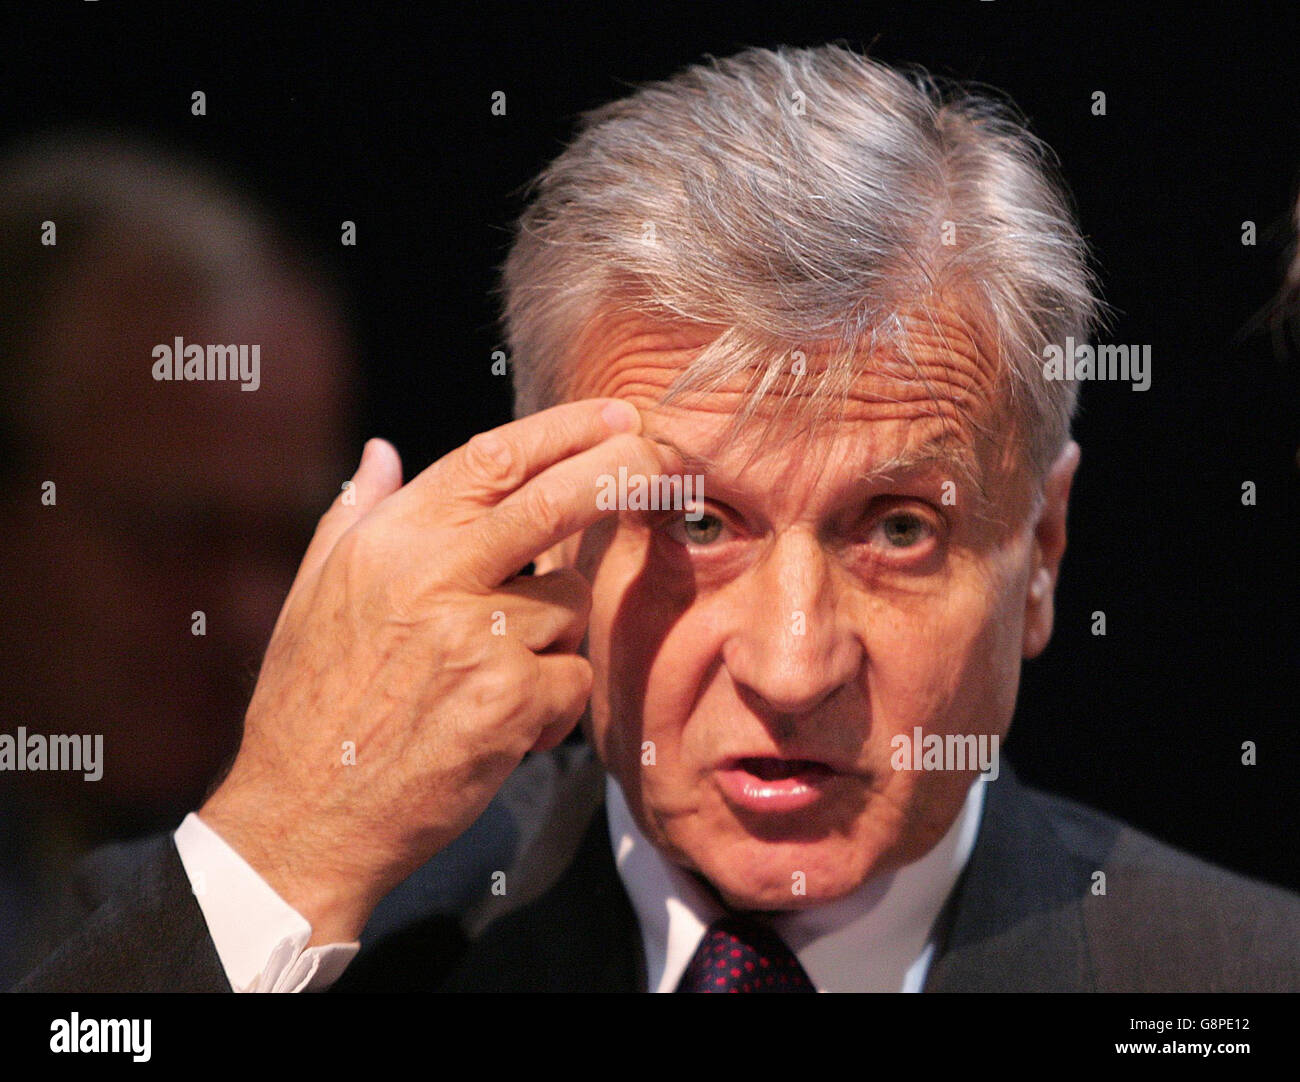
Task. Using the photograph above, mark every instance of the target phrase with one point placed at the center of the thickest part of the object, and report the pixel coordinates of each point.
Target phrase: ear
(1049, 547)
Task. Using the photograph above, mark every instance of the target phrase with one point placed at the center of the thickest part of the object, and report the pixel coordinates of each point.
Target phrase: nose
(789, 646)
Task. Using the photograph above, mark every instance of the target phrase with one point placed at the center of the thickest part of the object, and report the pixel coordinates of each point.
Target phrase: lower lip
(743, 790)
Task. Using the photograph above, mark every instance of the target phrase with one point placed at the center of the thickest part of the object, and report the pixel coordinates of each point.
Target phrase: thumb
(378, 476)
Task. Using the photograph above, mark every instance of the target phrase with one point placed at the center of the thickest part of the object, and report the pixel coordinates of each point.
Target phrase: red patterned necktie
(738, 955)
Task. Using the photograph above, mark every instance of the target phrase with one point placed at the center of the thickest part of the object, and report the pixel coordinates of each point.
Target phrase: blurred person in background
(169, 498)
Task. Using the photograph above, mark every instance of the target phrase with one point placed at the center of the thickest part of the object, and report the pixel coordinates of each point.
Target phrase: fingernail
(619, 416)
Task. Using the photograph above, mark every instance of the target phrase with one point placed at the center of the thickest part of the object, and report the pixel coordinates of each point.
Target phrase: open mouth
(768, 769)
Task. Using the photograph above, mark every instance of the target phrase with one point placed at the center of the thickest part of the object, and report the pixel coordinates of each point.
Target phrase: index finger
(565, 499)
(495, 463)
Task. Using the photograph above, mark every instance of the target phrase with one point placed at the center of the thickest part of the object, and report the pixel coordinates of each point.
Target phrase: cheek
(958, 663)
(629, 621)
(946, 661)
(651, 647)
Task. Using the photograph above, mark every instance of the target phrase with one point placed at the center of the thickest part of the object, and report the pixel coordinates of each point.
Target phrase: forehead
(934, 399)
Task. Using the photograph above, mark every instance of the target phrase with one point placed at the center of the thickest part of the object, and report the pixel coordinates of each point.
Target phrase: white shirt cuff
(260, 938)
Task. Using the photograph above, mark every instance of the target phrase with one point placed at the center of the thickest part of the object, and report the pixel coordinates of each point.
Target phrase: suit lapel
(581, 936)
(1015, 921)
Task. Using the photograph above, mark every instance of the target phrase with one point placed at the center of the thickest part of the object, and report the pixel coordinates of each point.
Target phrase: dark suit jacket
(1024, 916)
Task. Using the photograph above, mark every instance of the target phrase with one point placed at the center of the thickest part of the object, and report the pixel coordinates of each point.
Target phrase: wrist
(300, 872)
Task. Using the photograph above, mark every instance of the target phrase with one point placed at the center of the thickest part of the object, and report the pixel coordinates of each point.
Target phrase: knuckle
(506, 691)
(357, 547)
(491, 458)
(450, 627)
(539, 511)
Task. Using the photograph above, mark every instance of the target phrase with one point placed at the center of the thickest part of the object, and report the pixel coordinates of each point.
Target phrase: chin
(762, 874)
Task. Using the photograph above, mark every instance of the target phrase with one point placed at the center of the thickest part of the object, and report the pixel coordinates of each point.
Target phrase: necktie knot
(740, 955)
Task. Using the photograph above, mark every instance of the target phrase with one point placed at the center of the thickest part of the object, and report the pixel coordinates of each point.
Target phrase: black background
(381, 116)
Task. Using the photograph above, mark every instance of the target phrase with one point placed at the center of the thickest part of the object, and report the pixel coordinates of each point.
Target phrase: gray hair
(800, 197)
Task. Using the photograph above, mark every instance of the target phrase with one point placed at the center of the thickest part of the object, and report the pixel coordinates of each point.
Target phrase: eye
(700, 532)
(903, 530)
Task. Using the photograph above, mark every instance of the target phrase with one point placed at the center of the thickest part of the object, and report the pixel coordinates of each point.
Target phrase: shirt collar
(876, 939)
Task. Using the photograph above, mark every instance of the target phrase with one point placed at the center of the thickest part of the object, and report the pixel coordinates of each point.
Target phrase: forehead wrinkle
(626, 344)
(938, 366)
(939, 356)
(939, 449)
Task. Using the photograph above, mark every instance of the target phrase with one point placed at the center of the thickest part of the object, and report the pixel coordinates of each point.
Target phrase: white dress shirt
(876, 939)
(260, 938)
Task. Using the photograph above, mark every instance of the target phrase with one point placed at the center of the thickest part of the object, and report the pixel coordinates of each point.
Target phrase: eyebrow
(694, 461)
(939, 449)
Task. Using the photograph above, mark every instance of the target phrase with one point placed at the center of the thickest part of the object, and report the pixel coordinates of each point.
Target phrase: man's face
(751, 668)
